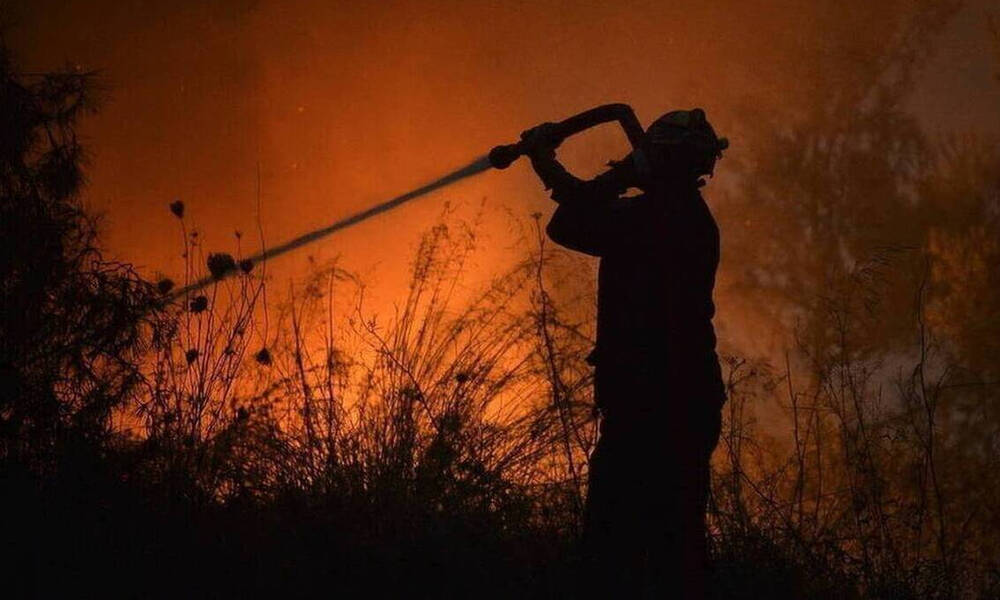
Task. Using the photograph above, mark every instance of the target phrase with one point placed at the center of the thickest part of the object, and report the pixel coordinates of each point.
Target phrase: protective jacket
(659, 253)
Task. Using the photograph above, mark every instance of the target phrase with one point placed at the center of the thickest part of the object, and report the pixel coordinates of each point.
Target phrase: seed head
(164, 285)
(219, 265)
(263, 356)
(199, 304)
(177, 207)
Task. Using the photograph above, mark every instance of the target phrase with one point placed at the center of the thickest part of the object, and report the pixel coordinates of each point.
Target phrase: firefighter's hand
(542, 140)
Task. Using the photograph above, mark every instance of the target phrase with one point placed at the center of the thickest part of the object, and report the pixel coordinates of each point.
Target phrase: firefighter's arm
(569, 189)
(598, 228)
(590, 214)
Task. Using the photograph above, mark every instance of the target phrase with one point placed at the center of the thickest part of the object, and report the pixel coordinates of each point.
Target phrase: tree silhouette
(70, 321)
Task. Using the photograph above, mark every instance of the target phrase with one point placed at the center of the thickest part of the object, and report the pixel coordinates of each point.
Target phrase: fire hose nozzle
(501, 157)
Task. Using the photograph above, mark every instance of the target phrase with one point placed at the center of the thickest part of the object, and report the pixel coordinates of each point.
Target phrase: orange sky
(344, 104)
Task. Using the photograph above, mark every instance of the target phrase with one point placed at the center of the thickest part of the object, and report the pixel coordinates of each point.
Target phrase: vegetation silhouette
(246, 443)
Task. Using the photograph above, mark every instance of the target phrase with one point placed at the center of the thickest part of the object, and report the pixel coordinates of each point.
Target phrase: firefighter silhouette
(658, 383)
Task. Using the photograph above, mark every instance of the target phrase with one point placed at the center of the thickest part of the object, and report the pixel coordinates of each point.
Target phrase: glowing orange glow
(345, 105)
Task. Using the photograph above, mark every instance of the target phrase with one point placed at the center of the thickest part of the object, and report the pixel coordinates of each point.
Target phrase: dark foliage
(71, 322)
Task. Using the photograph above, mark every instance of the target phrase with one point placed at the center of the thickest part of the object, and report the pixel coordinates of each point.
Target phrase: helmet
(689, 132)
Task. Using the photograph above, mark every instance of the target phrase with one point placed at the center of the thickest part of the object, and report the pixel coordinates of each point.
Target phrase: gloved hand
(542, 140)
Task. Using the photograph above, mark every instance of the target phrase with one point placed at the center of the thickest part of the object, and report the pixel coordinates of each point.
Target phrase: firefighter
(658, 385)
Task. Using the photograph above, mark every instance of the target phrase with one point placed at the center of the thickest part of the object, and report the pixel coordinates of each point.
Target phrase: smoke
(354, 102)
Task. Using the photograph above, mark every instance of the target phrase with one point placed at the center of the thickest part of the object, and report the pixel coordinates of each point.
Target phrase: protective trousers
(644, 530)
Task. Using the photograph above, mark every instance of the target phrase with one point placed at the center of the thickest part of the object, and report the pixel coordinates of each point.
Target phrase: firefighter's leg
(694, 499)
(612, 526)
